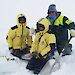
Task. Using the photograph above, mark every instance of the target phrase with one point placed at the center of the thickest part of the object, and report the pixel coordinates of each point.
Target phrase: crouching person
(18, 38)
(42, 47)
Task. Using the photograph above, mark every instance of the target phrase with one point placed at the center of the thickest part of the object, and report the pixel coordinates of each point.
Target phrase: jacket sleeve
(29, 39)
(34, 44)
(10, 36)
(69, 23)
(51, 40)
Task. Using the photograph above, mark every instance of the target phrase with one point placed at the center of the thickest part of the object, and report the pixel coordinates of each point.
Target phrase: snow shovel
(58, 60)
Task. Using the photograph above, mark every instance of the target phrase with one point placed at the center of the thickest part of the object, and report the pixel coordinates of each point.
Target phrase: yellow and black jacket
(60, 28)
(43, 39)
(18, 35)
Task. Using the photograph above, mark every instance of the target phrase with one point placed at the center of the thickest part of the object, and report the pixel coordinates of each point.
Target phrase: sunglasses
(40, 25)
(22, 19)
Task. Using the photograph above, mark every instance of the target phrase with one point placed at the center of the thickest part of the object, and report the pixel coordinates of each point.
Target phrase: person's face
(52, 13)
(22, 19)
(41, 27)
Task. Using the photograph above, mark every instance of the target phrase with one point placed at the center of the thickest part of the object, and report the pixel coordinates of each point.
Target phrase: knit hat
(51, 8)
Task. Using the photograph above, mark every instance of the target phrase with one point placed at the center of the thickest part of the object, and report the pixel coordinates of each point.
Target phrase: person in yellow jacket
(18, 37)
(42, 47)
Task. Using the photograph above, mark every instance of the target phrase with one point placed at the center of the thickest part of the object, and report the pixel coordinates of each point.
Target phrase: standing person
(42, 47)
(59, 25)
(18, 37)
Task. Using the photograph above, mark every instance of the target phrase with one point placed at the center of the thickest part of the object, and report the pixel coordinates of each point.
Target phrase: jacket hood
(19, 24)
(46, 24)
(58, 14)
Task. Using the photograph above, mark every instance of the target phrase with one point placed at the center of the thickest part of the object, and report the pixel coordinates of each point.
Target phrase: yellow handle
(5, 57)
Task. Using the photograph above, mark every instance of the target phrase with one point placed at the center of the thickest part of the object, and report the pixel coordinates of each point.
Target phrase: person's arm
(51, 45)
(10, 37)
(70, 25)
(34, 44)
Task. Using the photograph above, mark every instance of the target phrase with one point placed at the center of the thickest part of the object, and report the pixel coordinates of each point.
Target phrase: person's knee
(68, 50)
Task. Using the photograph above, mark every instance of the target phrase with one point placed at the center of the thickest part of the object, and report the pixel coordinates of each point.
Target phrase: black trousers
(36, 65)
(18, 53)
(67, 51)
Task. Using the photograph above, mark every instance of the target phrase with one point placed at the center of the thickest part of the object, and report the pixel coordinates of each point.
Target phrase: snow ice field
(34, 10)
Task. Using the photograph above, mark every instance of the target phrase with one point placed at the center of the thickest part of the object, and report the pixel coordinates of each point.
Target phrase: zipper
(22, 36)
(39, 42)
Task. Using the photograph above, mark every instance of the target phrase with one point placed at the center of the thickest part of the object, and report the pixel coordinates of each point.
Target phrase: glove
(33, 54)
(72, 31)
(31, 31)
(11, 50)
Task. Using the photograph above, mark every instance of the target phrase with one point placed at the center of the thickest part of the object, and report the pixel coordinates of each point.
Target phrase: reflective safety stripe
(59, 21)
(68, 22)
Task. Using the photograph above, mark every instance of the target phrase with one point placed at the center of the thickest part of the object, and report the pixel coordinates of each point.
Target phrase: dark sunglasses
(22, 19)
(40, 25)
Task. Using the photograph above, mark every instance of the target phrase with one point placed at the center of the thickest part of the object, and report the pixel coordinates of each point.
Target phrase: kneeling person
(18, 37)
(42, 48)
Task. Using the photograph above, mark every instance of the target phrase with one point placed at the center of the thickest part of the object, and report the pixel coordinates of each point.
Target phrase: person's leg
(39, 65)
(68, 50)
(31, 64)
(25, 54)
(25, 51)
(59, 48)
(17, 53)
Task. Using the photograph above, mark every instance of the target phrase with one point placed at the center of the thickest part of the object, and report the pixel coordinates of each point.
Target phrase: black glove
(11, 50)
(33, 54)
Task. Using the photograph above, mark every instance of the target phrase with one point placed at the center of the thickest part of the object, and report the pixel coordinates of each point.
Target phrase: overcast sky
(33, 9)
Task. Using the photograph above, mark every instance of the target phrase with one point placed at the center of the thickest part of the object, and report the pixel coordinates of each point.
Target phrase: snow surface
(34, 10)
